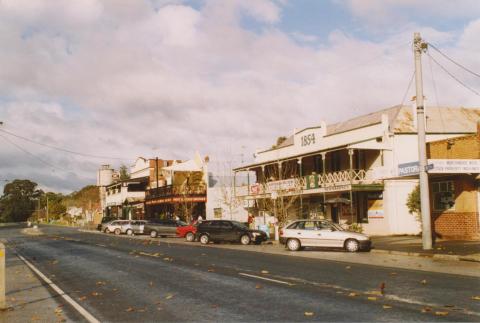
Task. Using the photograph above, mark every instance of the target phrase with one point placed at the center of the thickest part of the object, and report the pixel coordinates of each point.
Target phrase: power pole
(420, 46)
(47, 207)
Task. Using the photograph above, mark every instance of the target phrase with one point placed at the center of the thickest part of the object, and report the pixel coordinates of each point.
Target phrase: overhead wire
(408, 88)
(32, 155)
(453, 76)
(434, 84)
(453, 61)
(63, 149)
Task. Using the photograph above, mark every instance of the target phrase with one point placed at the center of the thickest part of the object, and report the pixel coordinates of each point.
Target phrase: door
(334, 213)
(328, 236)
(227, 231)
(306, 231)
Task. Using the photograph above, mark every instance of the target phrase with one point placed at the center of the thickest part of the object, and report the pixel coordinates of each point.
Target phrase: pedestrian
(177, 218)
(199, 219)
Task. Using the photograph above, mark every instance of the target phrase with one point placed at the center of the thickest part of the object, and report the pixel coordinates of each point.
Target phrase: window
(309, 225)
(217, 213)
(443, 196)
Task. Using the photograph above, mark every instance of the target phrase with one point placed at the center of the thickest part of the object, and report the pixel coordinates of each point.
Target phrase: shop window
(443, 196)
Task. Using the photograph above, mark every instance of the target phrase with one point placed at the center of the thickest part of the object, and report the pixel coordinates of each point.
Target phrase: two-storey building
(349, 171)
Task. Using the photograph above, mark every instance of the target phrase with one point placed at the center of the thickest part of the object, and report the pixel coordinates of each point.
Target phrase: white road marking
(89, 317)
(100, 245)
(267, 279)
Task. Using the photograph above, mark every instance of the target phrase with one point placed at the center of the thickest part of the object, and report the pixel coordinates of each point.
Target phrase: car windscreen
(182, 224)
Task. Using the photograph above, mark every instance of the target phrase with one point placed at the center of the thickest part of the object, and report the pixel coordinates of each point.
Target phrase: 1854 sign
(308, 139)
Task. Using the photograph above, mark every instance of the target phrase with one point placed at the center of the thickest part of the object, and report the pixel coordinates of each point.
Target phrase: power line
(62, 149)
(408, 88)
(453, 76)
(31, 154)
(454, 62)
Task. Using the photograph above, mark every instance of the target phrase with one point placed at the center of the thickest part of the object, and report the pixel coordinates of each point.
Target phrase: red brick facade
(456, 225)
(462, 220)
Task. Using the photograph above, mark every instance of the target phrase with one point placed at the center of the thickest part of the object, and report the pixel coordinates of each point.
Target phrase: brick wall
(466, 147)
(456, 225)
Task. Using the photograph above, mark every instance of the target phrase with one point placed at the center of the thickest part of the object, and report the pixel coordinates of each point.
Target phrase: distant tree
(56, 208)
(19, 200)
(124, 173)
(413, 202)
(280, 140)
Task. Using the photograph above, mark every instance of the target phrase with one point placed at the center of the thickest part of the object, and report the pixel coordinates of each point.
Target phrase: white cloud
(128, 79)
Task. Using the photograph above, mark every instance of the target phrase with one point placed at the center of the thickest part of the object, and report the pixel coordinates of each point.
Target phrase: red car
(187, 232)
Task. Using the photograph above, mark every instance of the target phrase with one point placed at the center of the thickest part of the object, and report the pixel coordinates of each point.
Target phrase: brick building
(454, 195)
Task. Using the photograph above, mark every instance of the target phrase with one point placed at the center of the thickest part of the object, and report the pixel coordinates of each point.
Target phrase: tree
(413, 203)
(56, 208)
(124, 173)
(19, 200)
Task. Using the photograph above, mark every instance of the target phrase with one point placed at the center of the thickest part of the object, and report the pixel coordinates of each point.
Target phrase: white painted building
(348, 171)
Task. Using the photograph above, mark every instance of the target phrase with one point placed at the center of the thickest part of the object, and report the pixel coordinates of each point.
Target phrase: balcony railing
(171, 191)
(308, 182)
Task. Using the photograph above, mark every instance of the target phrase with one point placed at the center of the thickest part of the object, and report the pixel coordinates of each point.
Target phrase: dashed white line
(89, 317)
(267, 279)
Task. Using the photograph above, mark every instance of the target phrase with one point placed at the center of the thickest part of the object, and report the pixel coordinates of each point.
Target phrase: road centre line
(89, 317)
(267, 279)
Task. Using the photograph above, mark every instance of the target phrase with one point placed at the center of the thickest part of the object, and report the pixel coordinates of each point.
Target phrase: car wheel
(106, 230)
(153, 234)
(117, 231)
(245, 239)
(130, 232)
(190, 237)
(258, 242)
(204, 239)
(351, 245)
(293, 244)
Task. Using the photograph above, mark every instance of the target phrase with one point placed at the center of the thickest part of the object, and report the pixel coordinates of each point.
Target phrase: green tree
(18, 201)
(56, 208)
(413, 202)
(124, 173)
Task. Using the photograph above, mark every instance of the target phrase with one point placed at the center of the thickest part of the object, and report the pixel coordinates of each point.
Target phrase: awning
(337, 200)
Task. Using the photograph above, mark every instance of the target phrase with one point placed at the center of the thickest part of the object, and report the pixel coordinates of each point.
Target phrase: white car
(322, 233)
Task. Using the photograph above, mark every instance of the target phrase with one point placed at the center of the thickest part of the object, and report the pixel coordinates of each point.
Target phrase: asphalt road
(119, 279)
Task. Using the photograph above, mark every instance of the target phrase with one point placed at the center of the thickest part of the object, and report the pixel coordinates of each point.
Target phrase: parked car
(233, 231)
(322, 233)
(118, 226)
(136, 227)
(162, 228)
(102, 225)
(188, 231)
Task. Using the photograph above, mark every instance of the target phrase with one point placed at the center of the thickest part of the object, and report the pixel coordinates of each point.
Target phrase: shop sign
(311, 181)
(375, 206)
(284, 185)
(337, 188)
(455, 166)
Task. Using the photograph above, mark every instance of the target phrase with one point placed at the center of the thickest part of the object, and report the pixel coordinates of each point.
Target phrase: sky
(117, 79)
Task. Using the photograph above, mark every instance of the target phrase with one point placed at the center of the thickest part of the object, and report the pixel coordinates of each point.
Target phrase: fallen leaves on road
(169, 296)
(374, 292)
(372, 298)
(258, 286)
(348, 267)
(424, 282)
(265, 272)
(58, 311)
(150, 283)
(393, 274)
(211, 270)
(426, 309)
(352, 294)
(476, 298)
(441, 313)
(382, 288)
(130, 309)
(386, 307)
(308, 313)
(82, 298)
(96, 294)
(100, 283)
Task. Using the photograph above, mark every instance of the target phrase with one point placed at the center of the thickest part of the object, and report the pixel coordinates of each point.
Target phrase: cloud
(128, 79)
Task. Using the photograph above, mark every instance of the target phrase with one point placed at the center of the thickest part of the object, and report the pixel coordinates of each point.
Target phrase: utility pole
(47, 207)
(420, 46)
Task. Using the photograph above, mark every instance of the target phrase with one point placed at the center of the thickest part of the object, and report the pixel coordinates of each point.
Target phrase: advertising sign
(455, 166)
